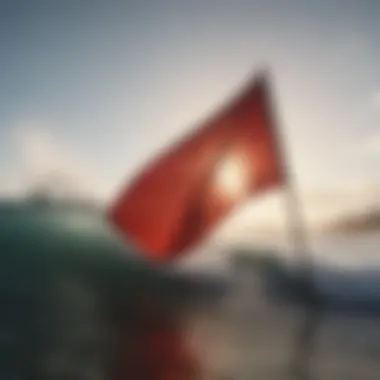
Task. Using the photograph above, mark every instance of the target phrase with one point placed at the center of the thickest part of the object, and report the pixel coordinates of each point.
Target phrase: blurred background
(90, 90)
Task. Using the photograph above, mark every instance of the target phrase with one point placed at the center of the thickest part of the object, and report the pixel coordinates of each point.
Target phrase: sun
(231, 179)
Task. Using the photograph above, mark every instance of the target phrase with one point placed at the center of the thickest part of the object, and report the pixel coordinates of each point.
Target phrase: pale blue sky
(95, 87)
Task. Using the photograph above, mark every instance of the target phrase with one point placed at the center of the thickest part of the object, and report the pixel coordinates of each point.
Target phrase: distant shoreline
(359, 224)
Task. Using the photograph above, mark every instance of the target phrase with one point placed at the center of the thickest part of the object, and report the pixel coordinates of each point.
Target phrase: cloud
(41, 156)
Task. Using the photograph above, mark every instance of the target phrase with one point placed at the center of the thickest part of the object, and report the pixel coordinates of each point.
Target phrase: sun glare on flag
(232, 178)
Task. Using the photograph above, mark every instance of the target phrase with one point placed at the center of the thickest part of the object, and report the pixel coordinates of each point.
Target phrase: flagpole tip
(263, 75)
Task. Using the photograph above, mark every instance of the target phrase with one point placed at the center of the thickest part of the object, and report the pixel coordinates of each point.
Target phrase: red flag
(182, 196)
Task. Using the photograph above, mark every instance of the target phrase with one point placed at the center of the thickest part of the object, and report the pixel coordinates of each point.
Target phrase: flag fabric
(181, 197)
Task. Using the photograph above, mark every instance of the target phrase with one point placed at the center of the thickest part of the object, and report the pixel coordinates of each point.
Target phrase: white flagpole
(297, 233)
(306, 292)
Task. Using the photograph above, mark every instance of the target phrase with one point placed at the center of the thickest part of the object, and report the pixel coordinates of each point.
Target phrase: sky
(92, 89)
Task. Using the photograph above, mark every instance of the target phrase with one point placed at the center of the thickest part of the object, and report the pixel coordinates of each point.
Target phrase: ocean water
(245, 334)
